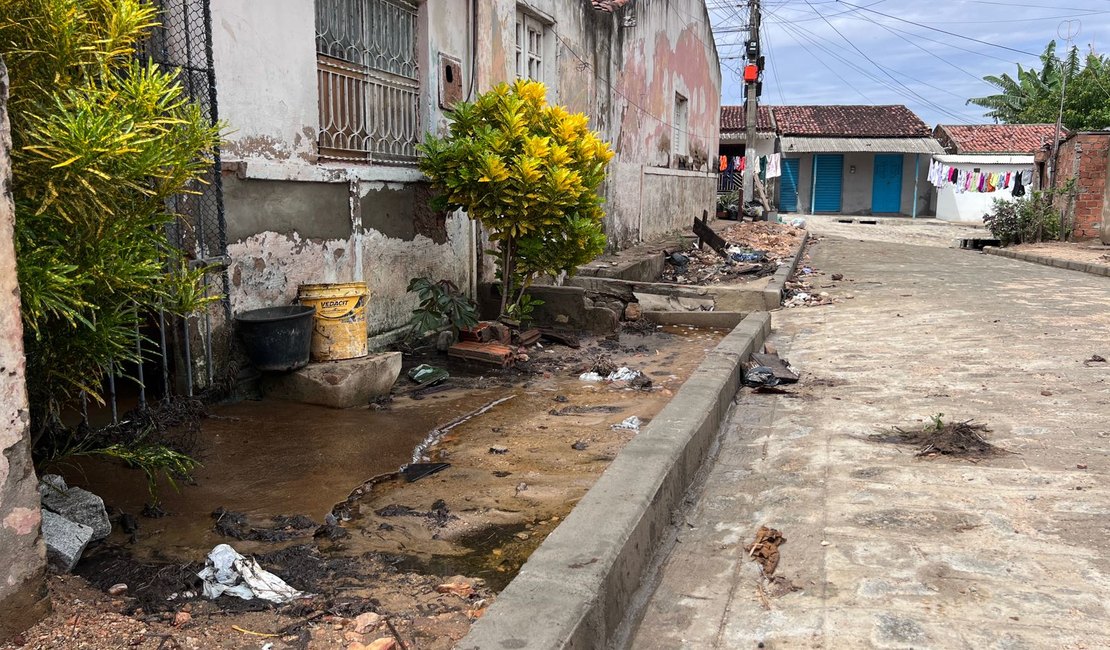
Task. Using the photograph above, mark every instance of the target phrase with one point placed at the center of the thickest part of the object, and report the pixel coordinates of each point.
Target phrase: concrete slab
(338, 384)
(577, 587)
(716, 319)
(889, 550)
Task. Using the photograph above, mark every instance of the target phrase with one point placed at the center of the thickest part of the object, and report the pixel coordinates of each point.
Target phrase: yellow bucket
(339, 326)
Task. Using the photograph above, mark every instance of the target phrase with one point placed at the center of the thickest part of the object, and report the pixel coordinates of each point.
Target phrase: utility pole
(751, 106)
(1067, 29)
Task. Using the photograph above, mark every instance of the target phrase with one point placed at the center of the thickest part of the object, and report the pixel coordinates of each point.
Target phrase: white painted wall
(969, 207)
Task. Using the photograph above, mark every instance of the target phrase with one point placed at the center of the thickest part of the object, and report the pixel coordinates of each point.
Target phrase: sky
(897, 51)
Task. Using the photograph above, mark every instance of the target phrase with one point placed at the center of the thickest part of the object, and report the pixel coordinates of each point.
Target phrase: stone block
(75, 504)
(65, 540)
(338, 384)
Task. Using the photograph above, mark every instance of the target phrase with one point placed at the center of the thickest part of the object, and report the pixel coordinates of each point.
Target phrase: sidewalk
(889, 550)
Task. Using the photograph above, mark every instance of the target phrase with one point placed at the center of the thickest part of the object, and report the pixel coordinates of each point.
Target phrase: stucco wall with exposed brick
(22, 555)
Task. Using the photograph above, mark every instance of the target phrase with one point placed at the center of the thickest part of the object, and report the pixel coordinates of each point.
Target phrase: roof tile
(734, 118)
(994, 138)
(894, 121)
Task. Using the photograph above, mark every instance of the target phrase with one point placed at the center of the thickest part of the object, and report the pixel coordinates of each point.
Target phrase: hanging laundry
(724, 163)
(774, 165)
(1019, 187)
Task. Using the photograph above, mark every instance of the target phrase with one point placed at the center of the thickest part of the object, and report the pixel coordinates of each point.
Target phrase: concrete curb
(1071, 265)
(772, 295)
(574, 592)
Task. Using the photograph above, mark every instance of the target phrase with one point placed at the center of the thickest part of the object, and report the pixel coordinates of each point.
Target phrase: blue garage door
(788, 192)
(886, 191)
(828, 177)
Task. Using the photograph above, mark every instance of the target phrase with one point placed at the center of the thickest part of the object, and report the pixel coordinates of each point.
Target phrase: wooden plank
(707, 236)
(494, 354)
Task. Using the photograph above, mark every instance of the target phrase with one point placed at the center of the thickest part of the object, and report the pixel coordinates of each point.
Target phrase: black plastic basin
(277, 338)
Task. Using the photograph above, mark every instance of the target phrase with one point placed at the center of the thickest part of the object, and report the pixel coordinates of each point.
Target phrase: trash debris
(499, 450)
(460, 589)
(781, 368)
(590, 376)
(117, 589)
(760, 376)
(738, 254)
(630, 423)
(765, 549)
(677, 259)
(425, 375)
(798, 222)
(580, 445)
(1095, 358)
(228, 572)
(837, 277)
(585, 410)
(415, 471)
(623, 374)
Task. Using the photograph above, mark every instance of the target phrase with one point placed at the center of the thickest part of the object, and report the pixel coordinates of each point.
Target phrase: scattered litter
(425, 375)
(760, 376)
(798, 222)
(227, 572)
(765, 549)
(415, 471)
(630, 423)
(837, 277)
(499, 450)
(807, 270)
(580, 445)
(738, 254)
(623, 374)
(585, 410)
(520, 487)
(1095, 358)
(590, 376)
(781, 368)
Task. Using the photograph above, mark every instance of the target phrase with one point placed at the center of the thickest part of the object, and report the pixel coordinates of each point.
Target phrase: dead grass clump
(939, 438)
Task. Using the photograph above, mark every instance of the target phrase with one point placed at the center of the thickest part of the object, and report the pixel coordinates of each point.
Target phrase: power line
(882, 68)
(774, 70)
(926, 51)
(936, 29)
(802, 42)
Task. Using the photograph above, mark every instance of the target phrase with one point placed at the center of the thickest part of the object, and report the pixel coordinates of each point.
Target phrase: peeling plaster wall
(293, 220)
(22, 590)
(287, 219)
(625, 78)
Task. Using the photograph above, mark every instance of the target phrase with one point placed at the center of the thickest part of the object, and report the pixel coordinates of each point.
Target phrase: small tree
(529, 173)
(101, 143)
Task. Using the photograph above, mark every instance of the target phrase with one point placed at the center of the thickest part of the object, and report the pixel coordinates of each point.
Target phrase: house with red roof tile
(842, 159)
(998, 153)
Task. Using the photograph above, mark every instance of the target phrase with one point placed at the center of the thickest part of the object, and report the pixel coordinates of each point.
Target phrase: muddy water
(269, 458)
(273, 458)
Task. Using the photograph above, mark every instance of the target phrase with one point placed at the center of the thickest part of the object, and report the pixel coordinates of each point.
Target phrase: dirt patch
(759, 248)
(506, 477)
(955, 439)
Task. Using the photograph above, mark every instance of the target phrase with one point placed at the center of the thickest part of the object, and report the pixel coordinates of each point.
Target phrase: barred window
(531, 41)
(368, 80)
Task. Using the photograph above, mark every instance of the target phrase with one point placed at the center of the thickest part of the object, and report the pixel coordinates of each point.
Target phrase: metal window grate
(368, 80)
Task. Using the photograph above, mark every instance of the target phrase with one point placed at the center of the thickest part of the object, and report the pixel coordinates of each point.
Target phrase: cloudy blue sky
(896, 51)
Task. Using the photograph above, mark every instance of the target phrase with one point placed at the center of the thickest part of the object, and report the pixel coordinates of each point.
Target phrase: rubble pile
(754, 250)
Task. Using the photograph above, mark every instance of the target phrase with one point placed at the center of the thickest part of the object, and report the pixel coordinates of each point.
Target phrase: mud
(273, 471)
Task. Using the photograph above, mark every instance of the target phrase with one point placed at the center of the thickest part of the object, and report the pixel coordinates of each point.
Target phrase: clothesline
(769, 166)
(964, 180)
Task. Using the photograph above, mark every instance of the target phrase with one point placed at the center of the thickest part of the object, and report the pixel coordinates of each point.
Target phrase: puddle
(516, 468)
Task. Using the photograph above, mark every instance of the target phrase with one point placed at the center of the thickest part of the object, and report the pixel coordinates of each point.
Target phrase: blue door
(886, 191)
(788, 192)
(828, 178)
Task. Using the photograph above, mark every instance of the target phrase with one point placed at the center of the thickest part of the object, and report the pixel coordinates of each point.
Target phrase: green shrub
(441, 304)
(529, 173)
(101, 144)
(1020, 221)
